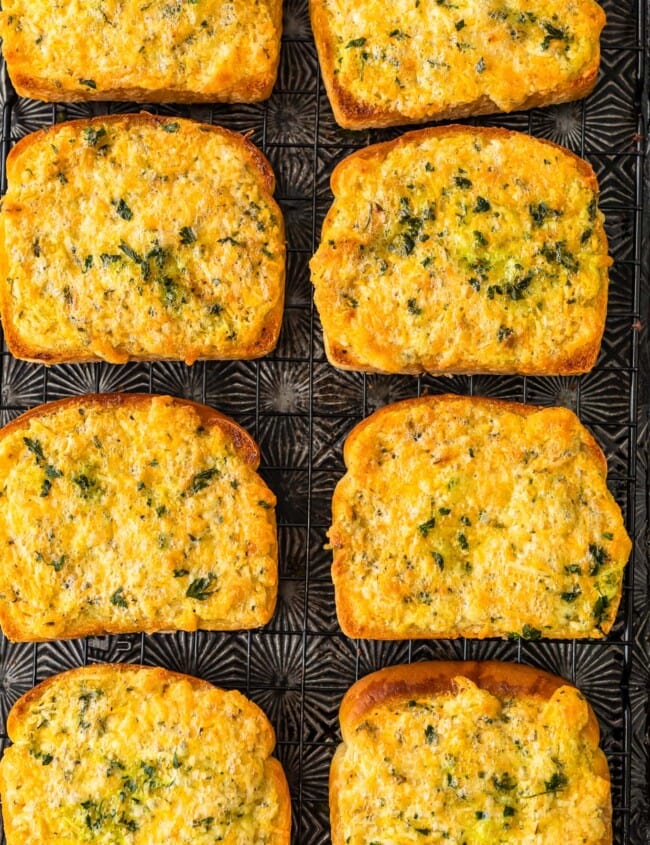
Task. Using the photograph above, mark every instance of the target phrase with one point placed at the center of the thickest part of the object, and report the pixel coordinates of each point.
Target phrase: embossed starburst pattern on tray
(300, 410)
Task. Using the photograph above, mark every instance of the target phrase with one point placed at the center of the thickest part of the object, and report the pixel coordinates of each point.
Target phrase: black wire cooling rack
(300, 409)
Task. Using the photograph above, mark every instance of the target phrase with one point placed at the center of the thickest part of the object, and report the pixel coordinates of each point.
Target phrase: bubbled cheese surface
(139, 238)
(133, 757)
(421, 59)
(131, 518)
(463, 250)
(462, 517)
(83, 49)
(472, 767)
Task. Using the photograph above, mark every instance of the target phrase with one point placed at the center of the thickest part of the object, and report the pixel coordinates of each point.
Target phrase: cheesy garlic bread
(140, 237)
(132, 755)
(468, 517)
(127, 512)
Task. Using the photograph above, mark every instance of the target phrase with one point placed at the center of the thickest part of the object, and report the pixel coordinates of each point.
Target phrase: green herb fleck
(553, 33)
(601, 606)
(96, 137)
(202, 480)
(430, 734)
(172, 128)
(463, 182)
(123, 210)
(57, 563)
(556, 782)
(89, 83)
(463, 543)
(505, 783)
(425, 527)
(599, 558)
(88, 486)
(36, 449)
(187, 235)
(356, 42)
(482, 205)
(439, 560)
(413, 307)
(508, 811)
(118, 598)
(572, 594)
(558, 253)
(199, 589)
(540, 212)
(181, 573)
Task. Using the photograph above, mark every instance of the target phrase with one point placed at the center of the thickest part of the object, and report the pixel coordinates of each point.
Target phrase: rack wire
(300, 410)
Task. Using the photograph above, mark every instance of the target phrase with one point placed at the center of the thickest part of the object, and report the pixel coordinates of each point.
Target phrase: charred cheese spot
(462, 517)
(128, 518)
(472, 767)
(140, 756)
(160, 241)
(457, 250)
(149, 49)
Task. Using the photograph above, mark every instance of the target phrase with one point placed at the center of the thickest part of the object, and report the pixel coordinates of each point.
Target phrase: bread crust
(270, 330)
(576, 362)
(354, 454)
(397, 684)
(251, 86)
(350, 112)
(497, 406)
(106, 672)
(247, 449)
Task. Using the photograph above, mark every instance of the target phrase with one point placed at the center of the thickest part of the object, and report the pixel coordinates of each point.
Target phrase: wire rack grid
(300, 410)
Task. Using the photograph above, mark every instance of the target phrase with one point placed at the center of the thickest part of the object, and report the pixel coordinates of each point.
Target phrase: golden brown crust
(97, 670)
(498, 406)
(246, 447)
(352, 113)
(144, 118)
(268, 337)
(344, 359)
(428, 679)
(251, 88)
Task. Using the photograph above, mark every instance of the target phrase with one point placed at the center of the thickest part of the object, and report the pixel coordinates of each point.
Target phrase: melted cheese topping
(464, 251)
(458, 518)
(131, 518)
(141, 239)
(221, 49)
(470, 767)
(420, 59)
(128, 758)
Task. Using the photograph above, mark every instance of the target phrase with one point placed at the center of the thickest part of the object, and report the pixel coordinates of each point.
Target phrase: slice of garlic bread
(468, 517)
(133, 755)
(152, 51)
(385, 64)
(140, 237)
(468, 752)
(463, 250)
(127, 512)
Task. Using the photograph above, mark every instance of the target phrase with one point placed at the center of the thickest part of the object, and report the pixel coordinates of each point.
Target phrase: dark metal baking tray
(300, 409)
